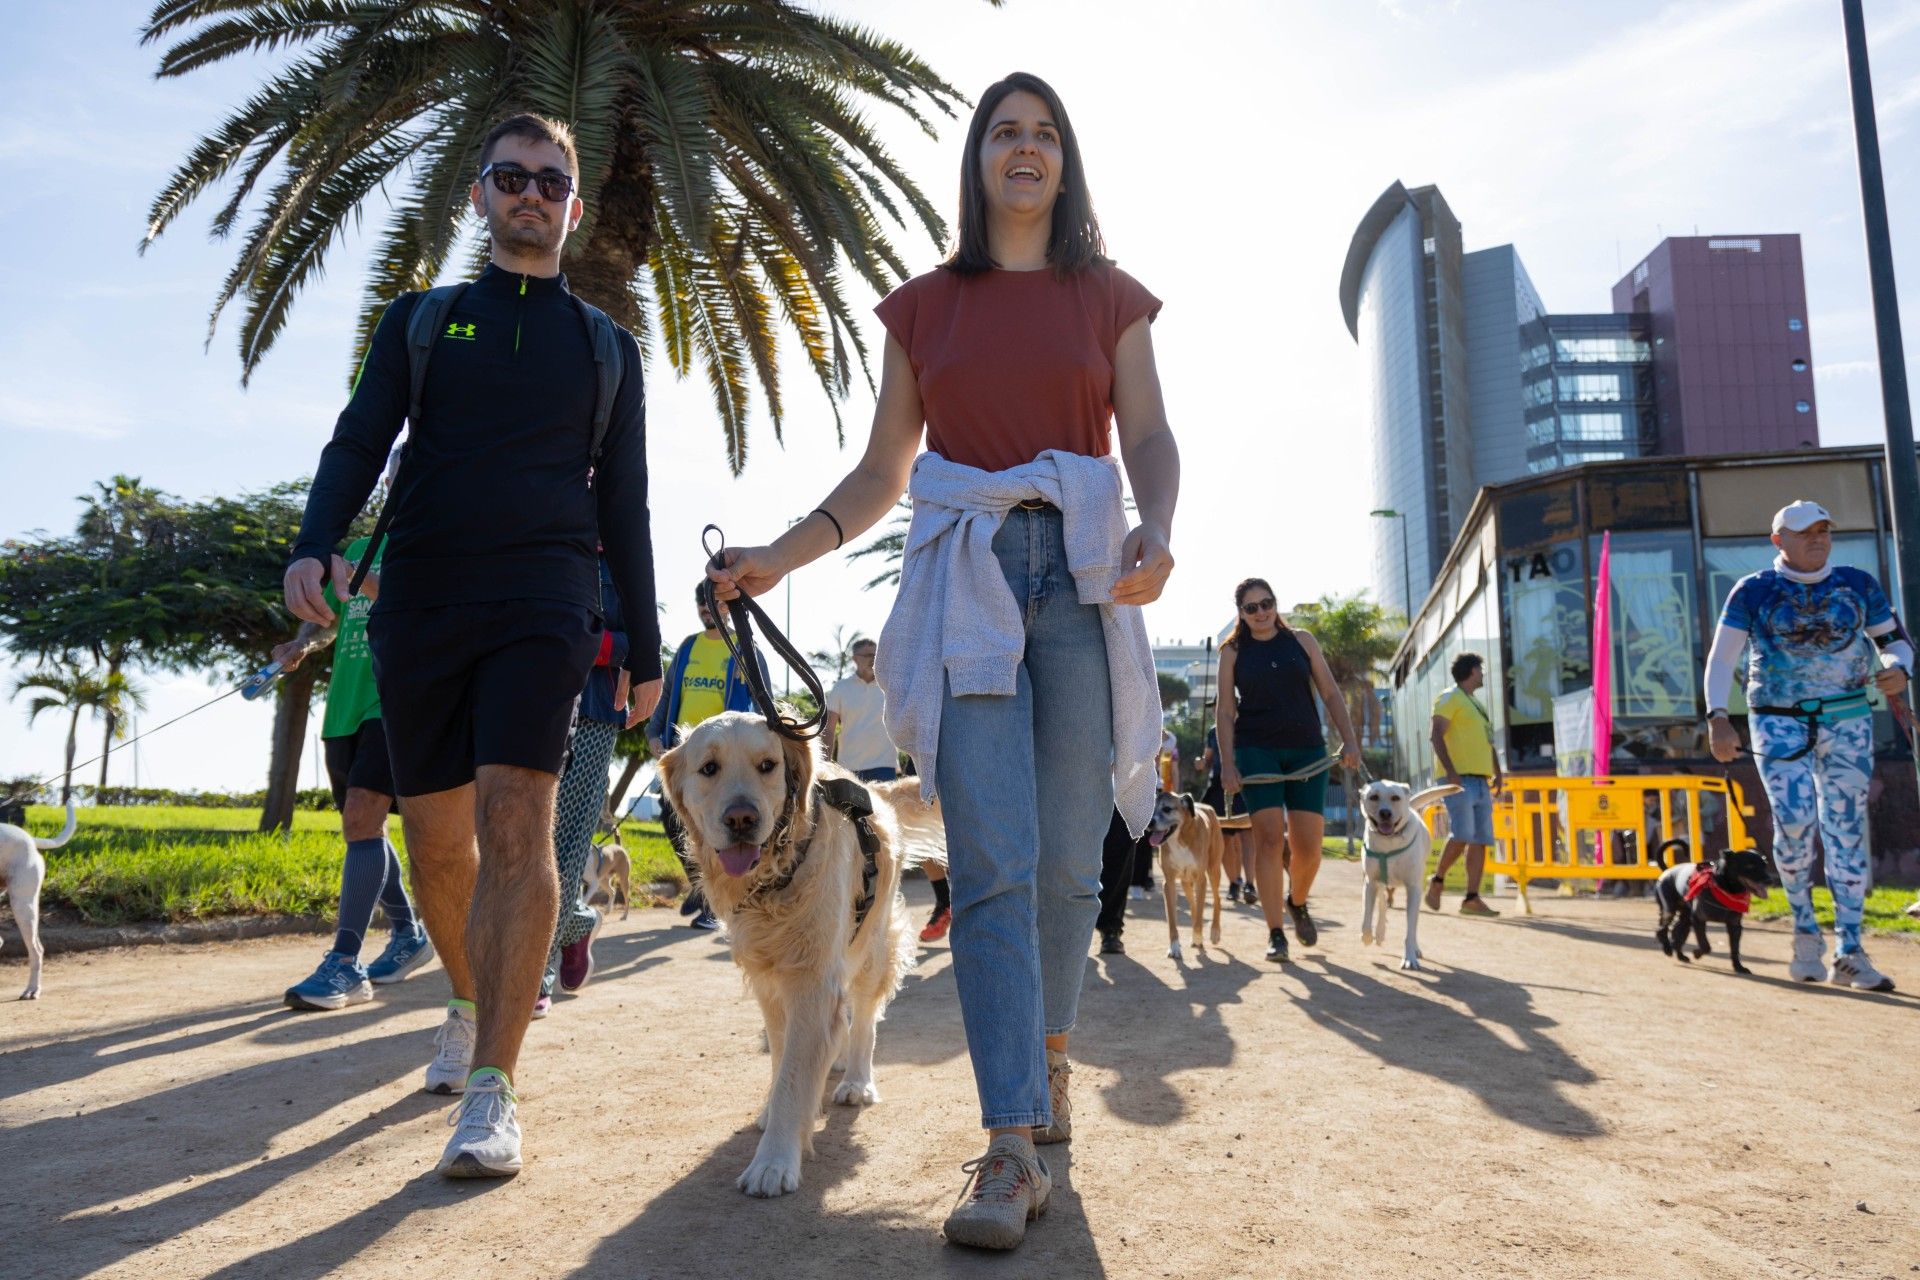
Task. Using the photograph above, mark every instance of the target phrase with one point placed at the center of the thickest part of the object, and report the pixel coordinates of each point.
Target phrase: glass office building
(1517, 588)
(1586, 386)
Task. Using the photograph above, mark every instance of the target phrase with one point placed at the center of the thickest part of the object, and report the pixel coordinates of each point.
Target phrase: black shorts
(359, 759)
(471, 684)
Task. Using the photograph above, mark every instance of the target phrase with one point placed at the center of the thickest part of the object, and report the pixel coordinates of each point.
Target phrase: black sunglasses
(511, 180)
(1252, 607)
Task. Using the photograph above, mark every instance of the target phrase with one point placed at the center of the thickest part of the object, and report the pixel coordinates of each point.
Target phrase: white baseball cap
(1800, 516)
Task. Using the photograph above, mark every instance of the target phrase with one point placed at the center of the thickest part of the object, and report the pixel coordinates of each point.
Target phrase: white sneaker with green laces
(486, 1136)
(453, 1052)
(1809, 958)
(1853, 969)
(1006, 1188)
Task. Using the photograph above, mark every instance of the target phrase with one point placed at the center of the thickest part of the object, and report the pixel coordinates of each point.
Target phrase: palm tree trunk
(619, 793)
(289, 736)
(73, 743)
(113, 722)
(602, 269)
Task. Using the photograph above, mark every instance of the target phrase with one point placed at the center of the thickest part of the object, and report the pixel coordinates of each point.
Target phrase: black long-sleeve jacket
(494, 496)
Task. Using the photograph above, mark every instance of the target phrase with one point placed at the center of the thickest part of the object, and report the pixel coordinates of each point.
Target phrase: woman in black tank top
(1269, 723)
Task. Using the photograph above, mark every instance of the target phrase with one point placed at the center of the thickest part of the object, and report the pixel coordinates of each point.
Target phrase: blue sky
(1230, 153)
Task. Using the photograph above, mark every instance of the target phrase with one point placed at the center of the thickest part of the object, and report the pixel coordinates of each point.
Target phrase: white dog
(22, 872)
(608, 869)
(810, 893)
(1396, 856)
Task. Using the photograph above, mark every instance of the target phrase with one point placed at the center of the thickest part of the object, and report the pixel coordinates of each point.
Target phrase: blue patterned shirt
(1806, 639)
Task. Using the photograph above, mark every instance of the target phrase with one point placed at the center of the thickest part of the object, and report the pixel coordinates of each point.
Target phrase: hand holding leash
(305, 585)
(723, 568)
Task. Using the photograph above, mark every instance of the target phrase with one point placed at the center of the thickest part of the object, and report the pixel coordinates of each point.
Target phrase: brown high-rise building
(1732, 356)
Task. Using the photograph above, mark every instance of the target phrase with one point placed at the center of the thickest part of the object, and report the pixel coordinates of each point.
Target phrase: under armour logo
(456, 330)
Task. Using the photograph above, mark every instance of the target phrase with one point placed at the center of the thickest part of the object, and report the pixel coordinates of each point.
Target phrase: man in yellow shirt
(1464, 755)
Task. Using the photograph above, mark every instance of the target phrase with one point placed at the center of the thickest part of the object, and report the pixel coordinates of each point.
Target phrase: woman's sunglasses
(511, 180)
(1252, 607)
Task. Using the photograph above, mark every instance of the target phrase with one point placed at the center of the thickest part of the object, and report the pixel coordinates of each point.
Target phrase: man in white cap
(1814, 629)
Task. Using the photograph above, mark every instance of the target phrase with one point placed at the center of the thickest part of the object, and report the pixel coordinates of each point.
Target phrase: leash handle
(739, 641)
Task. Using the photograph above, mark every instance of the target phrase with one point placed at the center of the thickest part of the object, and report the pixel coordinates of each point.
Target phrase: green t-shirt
(1469, 734)
(352, 699)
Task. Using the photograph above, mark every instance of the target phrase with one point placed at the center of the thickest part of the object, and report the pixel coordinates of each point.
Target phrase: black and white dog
(1691, 894)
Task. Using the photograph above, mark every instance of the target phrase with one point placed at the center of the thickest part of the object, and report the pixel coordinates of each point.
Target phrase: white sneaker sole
(466, 1164)
(359, 995)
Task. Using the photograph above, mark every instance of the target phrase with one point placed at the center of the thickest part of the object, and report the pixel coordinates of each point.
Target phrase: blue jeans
(1026, 786)
(1470, 811)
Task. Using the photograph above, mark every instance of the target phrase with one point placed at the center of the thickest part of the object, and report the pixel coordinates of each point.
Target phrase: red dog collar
(1702, 881)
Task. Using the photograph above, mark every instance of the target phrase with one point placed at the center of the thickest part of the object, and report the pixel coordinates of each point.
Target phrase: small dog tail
(923, 831)
(66, 832)
(1659, 856)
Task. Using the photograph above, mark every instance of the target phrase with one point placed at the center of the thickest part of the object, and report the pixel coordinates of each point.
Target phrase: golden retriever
(784, 870)
(1192, 848)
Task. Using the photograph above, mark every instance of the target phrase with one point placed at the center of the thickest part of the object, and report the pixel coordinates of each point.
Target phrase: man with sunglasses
(489, 615)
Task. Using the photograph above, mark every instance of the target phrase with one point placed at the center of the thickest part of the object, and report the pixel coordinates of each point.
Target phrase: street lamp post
(1406, 594)
(1903, 475)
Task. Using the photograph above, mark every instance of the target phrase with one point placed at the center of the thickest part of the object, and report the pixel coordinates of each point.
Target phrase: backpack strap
(607, 366)
(423, 328)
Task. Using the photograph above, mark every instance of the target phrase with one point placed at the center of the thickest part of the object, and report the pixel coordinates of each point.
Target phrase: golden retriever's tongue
(738, 859)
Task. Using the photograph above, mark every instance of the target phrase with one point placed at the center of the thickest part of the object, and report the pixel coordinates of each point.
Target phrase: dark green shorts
(1309, 795)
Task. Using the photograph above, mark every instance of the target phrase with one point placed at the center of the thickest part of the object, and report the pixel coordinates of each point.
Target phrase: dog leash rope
(37, 783)
(739, 640)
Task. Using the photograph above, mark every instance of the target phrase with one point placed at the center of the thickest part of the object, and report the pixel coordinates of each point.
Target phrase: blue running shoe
(337, 983)
(705, 920)
(405, 952)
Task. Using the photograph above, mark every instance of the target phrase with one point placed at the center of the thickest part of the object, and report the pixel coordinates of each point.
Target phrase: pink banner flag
(1603, 659)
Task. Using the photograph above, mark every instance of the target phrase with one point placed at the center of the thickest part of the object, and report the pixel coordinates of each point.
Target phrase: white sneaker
(453, 1053)
(1809, 958)
(486, 1137)
(1853, 969)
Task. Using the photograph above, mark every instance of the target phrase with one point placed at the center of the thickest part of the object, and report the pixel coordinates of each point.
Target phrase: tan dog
(1192, 848)
(608, 868)
(784, 869)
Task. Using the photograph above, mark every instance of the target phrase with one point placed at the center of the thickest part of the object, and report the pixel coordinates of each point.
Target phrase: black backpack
(424, 327)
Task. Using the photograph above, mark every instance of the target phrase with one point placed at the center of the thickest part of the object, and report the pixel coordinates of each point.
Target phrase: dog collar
(1702, 881)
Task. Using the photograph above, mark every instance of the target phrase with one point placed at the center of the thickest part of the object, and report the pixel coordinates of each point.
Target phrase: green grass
(1885, 910)
(150, 864)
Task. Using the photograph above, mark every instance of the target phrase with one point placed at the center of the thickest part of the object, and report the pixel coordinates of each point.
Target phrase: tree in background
(727, 162)
(77, 690)
(839, 657)
(890, 544)
(1174, 692)
(197, 590)
(1356, 636)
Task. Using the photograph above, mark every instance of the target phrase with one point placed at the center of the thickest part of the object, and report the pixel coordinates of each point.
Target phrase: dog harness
(1814, 712)
(1702, 881)
(851, 799)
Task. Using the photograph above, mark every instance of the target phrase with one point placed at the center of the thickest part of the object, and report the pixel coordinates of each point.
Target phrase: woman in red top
(1026, 340)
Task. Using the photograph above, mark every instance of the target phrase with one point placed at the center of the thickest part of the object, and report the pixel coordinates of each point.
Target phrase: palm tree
(840, 656)
(1356, 635)
(727, 163)
(76, 691)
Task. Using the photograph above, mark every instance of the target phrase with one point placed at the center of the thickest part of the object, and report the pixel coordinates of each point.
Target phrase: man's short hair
(1466, 664)
(535, 129)
(700, 593)
(858, 645)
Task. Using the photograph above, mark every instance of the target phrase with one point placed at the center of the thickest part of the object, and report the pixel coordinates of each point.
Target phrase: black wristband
(839, 534)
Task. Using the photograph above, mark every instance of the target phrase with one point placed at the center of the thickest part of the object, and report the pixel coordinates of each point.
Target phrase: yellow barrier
(1564, 828)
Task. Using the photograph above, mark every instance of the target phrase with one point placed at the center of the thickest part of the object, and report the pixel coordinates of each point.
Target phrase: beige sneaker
(1059, 1071)
(1474, 907)
(1007, 1188)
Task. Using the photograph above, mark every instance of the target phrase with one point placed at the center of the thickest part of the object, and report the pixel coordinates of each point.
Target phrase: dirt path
(1553, 1099)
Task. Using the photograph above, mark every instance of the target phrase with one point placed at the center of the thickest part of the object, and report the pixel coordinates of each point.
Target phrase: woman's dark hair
(1464, 664)
(1075, 242)
(1241, 631)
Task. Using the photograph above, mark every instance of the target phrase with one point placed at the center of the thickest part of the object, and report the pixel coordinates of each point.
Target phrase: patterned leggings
(583, 790)
(1830, 785)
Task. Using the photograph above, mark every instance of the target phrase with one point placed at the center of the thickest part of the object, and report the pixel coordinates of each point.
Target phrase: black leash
(739, 640)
